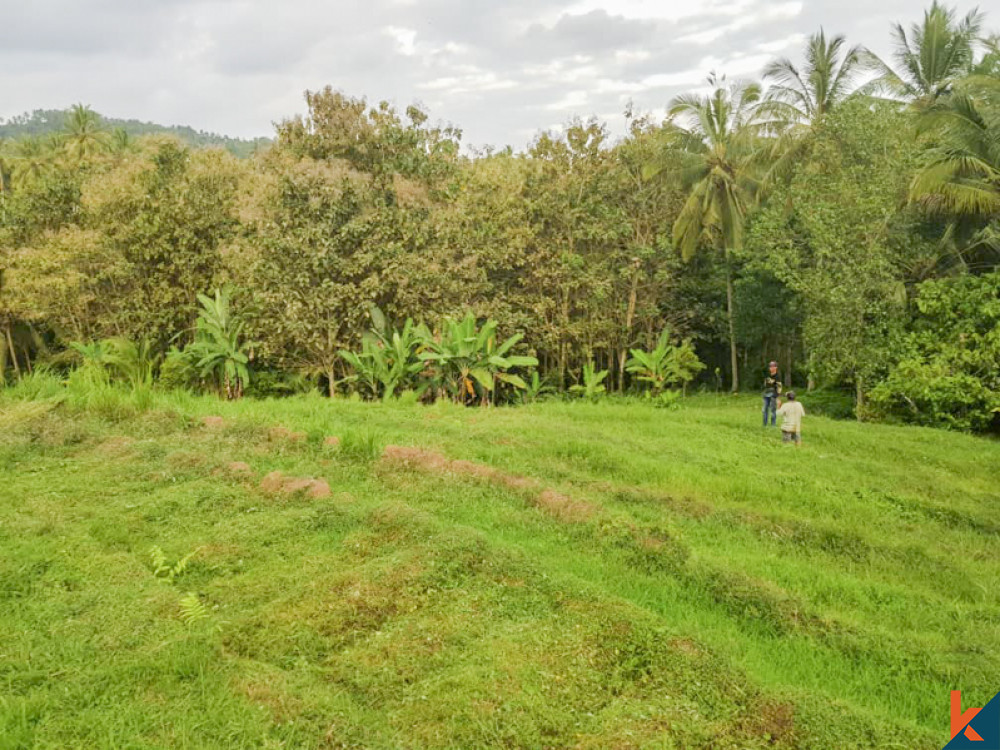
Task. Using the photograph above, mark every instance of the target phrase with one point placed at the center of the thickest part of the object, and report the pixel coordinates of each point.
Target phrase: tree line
(841, 216)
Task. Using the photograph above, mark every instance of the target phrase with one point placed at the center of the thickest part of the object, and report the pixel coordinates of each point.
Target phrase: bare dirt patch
(277, 482)
(213, 422)
(332, 440)
(416, 458)
(239, 467)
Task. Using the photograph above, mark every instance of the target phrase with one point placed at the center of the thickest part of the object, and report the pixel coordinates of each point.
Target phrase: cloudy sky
(500, 69)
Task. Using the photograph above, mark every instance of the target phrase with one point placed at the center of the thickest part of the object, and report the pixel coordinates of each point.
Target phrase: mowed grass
(556, 575)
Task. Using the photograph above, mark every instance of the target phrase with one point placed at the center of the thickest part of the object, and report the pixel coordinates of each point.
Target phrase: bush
(949, 375)
(830, 402)
(277, 384)
(934, 394)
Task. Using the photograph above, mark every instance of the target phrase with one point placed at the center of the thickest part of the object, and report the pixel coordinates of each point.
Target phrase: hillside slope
(45, 121)
(558, 575)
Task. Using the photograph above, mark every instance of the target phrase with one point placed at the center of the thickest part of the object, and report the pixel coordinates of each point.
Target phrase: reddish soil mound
(332, 440)
(276, 481)
(416, 457)
(272, 482)
(213, 422)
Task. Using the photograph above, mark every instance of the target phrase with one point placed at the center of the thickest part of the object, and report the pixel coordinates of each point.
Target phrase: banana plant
(665, 364)
(220, 350)
(388, 360)
(593, 383)
(471, 362)
(537, 387)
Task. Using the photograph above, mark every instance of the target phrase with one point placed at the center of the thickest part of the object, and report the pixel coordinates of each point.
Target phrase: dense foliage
(836, 217)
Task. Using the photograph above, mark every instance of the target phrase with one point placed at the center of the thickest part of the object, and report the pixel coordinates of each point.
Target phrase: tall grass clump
(362, 445)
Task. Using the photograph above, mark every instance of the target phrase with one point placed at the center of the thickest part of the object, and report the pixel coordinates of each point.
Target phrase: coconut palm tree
(31, 158)
(120, 141)
(936, 53)
(717, 156)
(961, 175)
(85, 134)
(801, 96)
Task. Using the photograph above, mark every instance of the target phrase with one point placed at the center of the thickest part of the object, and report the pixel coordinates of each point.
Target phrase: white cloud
(497, 70)
(406, 39)
(571, 101)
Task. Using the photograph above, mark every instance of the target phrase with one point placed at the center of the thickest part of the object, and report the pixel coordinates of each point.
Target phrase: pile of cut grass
(560, 575)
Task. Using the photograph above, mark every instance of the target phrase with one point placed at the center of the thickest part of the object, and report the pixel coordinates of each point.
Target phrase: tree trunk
(733, 359)
(331, 379)
(859, 398)
(629, 317)
(563, 343)
(13, 353)
(788, 364)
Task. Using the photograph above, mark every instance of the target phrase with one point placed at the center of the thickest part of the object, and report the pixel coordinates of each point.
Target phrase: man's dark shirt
(772, 383)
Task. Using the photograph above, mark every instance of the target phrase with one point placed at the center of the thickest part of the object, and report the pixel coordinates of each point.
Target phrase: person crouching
(791, 419)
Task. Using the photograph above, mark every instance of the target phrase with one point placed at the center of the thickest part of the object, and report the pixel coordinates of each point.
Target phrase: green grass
(694, 583)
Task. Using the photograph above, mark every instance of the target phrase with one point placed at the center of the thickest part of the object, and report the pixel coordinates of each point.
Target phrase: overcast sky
(502, 70)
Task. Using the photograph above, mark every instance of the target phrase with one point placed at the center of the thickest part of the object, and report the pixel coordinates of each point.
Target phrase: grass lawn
(584, 575)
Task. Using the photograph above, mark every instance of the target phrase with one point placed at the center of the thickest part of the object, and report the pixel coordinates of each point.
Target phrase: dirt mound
(213, 422)
(276, 482)
(416, 457)
(554, 503)
(332, 440)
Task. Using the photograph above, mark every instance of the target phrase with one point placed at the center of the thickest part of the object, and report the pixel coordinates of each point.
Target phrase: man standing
(772, 390)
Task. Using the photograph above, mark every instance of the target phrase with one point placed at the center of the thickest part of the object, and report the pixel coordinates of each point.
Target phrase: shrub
(830, 402)
(950, 373)
(593, 383)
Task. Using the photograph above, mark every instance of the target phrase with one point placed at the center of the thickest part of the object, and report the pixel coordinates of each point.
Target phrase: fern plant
(192, 608)
(162, 568)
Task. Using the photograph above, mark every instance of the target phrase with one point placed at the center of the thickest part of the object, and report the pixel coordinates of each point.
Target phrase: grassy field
(558, 575)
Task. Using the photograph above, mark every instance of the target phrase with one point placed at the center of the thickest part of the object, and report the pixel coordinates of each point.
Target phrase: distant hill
(43, 121)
